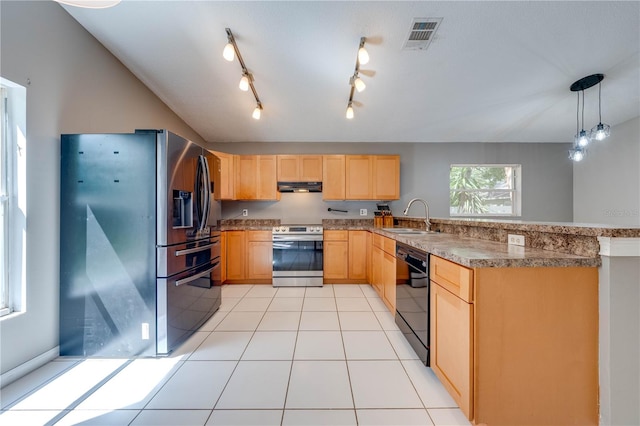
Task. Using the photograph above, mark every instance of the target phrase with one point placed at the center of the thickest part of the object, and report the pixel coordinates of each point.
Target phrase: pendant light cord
(582, 109)
(578, 114)
(600, 102)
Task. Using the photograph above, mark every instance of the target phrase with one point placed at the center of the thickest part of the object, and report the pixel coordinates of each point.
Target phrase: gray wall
(76, 86)
(424, 172)
(606, 186)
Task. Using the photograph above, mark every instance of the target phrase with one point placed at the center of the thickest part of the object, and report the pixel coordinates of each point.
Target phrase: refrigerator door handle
(197, 276)
(202, 191)
(194, 250)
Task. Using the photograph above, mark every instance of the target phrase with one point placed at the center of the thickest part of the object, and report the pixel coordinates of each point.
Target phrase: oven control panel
(298, 229)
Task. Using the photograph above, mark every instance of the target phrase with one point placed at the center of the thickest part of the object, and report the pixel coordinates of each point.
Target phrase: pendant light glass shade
(244, 83)
(90, 4)
(350, 111)
(257, 112)
(581, 139)
(359, 84)
(600, 132)
(229, 53)
(577, 154)
(363, 56)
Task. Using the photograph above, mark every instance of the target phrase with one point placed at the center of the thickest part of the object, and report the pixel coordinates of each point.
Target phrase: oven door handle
(297, 238)
(194, 250)
(197, 276)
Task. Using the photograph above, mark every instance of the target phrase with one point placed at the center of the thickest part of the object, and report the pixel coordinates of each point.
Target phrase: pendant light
(244, 83)
(257, 111)
(600, 131)
(229, 53)
(581, 138)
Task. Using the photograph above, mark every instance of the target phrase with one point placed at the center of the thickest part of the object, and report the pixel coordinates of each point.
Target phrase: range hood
(300, 186)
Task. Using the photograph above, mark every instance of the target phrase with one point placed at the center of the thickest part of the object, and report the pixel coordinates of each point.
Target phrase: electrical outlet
(245, 212)
(517, 240)
(145, 331)
(363, 212)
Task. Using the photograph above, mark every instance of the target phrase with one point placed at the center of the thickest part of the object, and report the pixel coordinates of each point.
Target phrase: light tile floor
(269, 356)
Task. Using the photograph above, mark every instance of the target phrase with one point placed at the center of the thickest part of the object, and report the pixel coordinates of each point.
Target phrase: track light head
(350, 111)
(229, 53)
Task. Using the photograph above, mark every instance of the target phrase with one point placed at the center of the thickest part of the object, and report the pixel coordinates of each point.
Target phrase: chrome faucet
(426, 211)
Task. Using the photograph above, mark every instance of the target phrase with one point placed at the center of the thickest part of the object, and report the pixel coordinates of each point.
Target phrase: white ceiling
(496, 71)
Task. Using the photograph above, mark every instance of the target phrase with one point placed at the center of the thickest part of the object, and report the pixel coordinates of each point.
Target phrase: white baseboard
(27, 367)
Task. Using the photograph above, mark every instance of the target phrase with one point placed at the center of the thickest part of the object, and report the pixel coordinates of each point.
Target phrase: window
(13, 197)
(484, 190)
(4, 205)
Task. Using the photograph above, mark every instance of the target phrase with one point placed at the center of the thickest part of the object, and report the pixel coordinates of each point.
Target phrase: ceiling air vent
(421, 33)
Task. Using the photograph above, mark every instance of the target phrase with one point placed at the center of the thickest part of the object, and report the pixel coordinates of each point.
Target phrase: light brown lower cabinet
(249, 257)
(345, 256)
(383, 269)
(516, 346)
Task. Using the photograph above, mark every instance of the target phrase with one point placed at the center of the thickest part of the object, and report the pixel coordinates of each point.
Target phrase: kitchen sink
(407, 231)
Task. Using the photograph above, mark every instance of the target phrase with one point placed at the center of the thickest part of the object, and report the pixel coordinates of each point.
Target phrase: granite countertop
(476, 253)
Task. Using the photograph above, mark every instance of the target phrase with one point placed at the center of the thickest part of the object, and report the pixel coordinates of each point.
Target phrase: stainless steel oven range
(297, 256)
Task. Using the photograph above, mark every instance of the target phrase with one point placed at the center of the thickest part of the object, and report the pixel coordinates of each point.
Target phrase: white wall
(606, 184)
(547, 178)
(75, 86)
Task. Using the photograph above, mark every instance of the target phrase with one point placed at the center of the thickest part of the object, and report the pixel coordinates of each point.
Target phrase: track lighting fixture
(355, 81)
(230, 52)
(350, 111)
(599, 132)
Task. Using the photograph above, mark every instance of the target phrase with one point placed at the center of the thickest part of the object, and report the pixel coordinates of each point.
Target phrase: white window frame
(516, 191)
(13, 199)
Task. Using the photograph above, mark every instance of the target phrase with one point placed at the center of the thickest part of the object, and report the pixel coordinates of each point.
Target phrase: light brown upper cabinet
(225, 185)
(333, 178)
(372, 177)
(256, 177)
(299, 168)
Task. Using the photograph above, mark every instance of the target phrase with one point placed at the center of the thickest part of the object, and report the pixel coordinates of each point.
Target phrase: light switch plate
(515, 239)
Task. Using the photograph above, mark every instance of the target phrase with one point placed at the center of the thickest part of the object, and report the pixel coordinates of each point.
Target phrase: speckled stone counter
(350, 224)
(572, 238)
(248, 224)
(476, 253)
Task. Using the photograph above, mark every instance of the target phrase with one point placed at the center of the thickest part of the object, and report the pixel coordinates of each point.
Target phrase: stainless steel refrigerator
(139, 242)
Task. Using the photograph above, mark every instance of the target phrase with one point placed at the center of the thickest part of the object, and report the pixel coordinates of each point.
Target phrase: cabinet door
(226, 168)
(389, 281)
(452, 345)
(223, 256)
(236, 255)
(335, 256)
(358, 177)
(246, 177)
(333, 177)
(386, 177)
(267, 178)
(358, 255)
(288, 168)
(377, 259)
(259, 260)
(310, 167)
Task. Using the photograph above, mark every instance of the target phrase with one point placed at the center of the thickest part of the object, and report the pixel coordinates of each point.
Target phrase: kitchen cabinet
(256, 177)
(452, 330)
(372, 177)
(507, 341)
(225, 186)
(345, 256)
(249, 256)
(383, 269)
(333, 177)
(299, 168)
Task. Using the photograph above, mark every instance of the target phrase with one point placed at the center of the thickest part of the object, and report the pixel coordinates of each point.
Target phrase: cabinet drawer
(378, 241)
(258, 235)
(389, 246)
(453, 277)
(336, 235)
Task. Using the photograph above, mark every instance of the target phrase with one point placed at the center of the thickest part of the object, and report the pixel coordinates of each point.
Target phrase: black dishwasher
(412, 298)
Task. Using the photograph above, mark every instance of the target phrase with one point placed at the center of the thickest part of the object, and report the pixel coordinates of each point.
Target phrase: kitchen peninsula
(531, 324)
